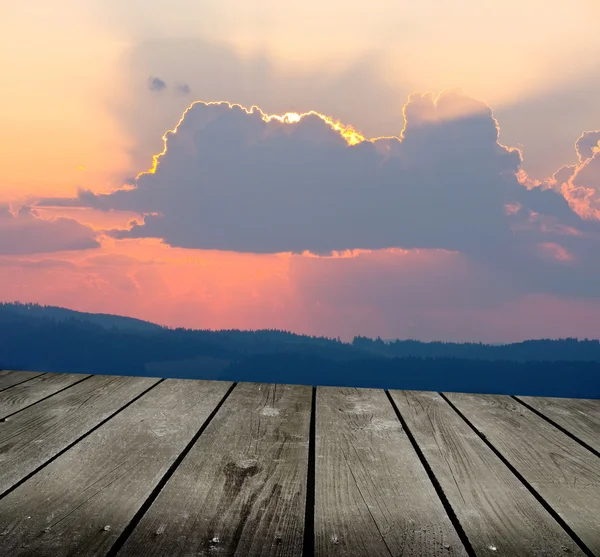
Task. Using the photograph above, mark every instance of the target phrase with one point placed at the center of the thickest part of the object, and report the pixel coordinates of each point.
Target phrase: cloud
(156, 84)
(232, 178)
(184, 89)
(580, 183)
(236, 179)
(587, 145)
(545, 123)
(41, 265)
(214, 70)
(26, 233)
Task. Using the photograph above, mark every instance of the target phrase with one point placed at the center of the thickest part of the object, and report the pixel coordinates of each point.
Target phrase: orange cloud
(580, 183)
(555, 251)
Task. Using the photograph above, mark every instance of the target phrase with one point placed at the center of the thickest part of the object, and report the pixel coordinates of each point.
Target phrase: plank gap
(127, 531)
(522, 479)
(436, 484)
(557, 426)
(308, 547)
(71, 445)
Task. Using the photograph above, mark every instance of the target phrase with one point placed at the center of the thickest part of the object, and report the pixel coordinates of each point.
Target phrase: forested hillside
(55, 339)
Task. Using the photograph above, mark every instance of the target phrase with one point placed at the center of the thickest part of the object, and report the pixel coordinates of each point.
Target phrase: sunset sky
(437, 175)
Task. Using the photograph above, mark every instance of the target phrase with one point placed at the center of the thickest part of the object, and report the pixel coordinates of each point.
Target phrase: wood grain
(242, 488)
(565, 474)
(32, 437)
(80, 502)
(25, 394)
(10, 378)
(491, 503)
(579, 417)
(373, 495)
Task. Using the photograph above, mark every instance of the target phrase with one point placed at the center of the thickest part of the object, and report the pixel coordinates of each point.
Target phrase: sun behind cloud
(347, 132)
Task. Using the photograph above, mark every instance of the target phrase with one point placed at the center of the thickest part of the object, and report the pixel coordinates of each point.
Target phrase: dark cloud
(184, 89)
(235, 179)
(156, 84)
(232, 179)
(26, 233)
(362, 91)
(85, 198)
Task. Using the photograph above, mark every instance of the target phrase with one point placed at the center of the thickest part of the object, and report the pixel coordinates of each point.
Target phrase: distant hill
(59, 314)
(42, 338)
(544, 350)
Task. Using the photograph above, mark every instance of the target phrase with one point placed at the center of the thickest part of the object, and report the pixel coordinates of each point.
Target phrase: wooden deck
(125, 466)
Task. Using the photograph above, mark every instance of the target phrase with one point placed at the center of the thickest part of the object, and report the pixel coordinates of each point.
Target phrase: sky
(423, 170)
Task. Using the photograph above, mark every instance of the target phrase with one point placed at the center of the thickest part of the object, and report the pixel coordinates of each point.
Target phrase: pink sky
(456, 223)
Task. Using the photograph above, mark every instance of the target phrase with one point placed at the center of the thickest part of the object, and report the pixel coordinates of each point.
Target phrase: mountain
(34, 337)
(59, 314)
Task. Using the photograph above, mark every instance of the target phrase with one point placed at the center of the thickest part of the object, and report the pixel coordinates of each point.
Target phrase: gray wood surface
(242, 488)
(10, 378)
(577, 416)
(32, 437)
(25, 394)
(79, 504)
(490, 502)
(563, 472)
(373, 495)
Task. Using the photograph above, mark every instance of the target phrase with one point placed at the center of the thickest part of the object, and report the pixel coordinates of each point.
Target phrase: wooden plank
(373, 495)
(242, 488)
(579, 417)
(565, 474)
(10, 378)
(35, 435)
(25, 394)
(494, 509)
(82, 501)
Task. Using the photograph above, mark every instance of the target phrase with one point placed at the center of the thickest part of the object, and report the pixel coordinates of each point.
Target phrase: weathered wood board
(579, 417)
(242, 488)
(494, 508)
(565, 474)
(35, 435)
(80, 502)
(373, 495)
(10, 378)
(25, 394)
(126, 466)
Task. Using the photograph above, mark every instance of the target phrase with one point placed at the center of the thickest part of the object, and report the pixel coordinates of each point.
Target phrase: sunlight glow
(352, 136)
(349, 133)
